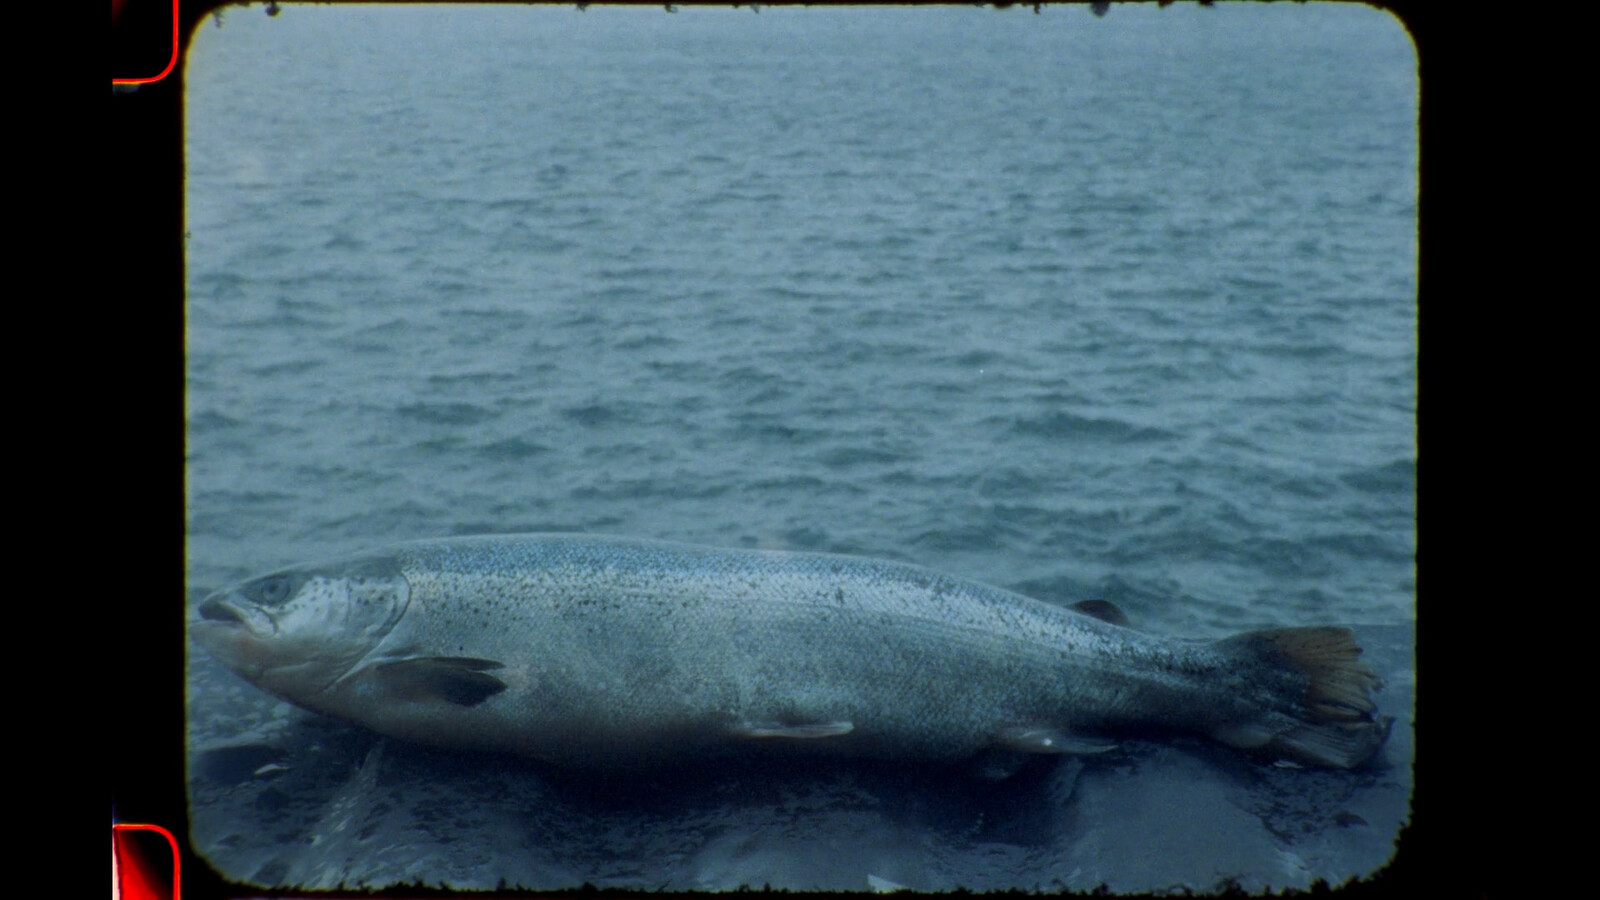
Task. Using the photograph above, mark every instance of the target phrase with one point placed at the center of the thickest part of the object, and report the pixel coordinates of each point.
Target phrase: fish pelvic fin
(1329, 717)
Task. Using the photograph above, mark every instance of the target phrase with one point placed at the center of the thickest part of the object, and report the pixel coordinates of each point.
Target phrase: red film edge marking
(171, 842)
(173, 61)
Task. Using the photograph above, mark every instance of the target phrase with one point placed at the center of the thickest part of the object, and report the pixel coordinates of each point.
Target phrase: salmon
(609, 652)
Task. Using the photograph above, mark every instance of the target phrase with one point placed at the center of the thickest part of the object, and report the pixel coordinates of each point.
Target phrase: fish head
(298, 631)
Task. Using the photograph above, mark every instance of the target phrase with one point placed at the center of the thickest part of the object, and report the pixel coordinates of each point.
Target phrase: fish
(617, 653)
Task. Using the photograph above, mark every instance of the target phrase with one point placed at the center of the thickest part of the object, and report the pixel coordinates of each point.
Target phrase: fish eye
(272, 590)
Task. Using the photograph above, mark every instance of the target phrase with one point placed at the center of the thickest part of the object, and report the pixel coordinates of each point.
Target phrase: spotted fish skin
(613, 652)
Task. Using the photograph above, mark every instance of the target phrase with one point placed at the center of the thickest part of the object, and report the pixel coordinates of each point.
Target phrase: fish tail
(1312, 695)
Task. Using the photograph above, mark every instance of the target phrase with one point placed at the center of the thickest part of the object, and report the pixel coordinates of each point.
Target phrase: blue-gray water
(1117, 308)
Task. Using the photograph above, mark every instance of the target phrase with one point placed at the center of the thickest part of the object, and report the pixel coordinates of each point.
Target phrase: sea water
(1116, 307)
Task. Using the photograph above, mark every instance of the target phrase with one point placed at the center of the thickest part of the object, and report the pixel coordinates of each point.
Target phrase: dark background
(133, 463)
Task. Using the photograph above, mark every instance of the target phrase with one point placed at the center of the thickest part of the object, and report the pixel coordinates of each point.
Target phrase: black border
(136, 444)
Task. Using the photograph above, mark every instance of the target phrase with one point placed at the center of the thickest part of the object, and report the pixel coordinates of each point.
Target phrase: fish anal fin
(1246, 736)
(457, 680)
(1025, 739)
(806, 732)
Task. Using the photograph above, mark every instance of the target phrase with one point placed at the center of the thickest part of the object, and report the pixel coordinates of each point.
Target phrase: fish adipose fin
(1330, 718)
(459, 680)
(1104, 610)
(1017, 745)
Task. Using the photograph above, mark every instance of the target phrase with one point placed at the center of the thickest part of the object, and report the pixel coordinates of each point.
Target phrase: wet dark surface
(283, 797)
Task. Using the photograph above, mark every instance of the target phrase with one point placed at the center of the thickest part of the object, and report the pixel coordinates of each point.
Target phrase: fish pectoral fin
(806, 732)
(458, 680)
(468, 662)
(1052, 740)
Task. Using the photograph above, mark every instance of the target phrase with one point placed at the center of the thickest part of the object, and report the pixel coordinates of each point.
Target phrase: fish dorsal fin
(807, 732)
(1104, 610)
(1051, 740)
(458, 680)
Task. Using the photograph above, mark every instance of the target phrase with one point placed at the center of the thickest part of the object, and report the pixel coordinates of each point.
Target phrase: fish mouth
(227, 612)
